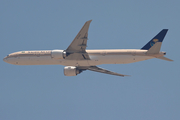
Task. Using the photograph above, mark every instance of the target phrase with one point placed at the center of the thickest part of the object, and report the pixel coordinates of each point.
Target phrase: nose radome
(5, 59)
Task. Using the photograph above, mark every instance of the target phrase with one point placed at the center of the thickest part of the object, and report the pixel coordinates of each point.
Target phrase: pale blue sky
(43, 92)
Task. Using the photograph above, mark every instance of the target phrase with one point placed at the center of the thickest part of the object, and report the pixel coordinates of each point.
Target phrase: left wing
(79, 43)
(101, 70)
(77, 49)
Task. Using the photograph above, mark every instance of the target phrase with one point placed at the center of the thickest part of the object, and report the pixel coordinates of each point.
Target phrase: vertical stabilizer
(157, 39)
(155, 48)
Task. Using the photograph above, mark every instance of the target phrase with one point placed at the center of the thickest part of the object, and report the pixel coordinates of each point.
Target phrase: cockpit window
(7, 55)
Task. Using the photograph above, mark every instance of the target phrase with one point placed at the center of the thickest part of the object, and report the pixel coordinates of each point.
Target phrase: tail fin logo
(154, 41)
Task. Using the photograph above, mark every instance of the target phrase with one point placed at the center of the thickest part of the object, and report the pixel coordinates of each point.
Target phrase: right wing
(101, 70)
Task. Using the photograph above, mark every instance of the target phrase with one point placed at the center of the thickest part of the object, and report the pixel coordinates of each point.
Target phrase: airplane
(77, 59)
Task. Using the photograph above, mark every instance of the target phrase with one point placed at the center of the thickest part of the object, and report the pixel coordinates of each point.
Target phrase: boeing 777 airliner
(77, 59)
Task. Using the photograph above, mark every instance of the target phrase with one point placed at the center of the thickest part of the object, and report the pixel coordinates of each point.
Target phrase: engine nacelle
(71, 71)
(58, 54)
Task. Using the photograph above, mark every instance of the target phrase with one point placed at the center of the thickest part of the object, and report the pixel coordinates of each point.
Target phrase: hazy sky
(44, 93)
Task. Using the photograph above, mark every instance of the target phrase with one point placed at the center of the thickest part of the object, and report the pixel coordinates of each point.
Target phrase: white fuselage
(97, 57)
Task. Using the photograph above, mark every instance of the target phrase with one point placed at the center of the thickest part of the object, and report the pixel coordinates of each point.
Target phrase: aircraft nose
(5, 59)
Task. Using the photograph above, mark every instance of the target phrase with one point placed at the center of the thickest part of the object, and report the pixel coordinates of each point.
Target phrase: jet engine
(58, 54)
(71, 71)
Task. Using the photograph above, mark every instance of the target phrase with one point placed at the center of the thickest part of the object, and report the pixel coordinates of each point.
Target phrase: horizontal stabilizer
(164, 58)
